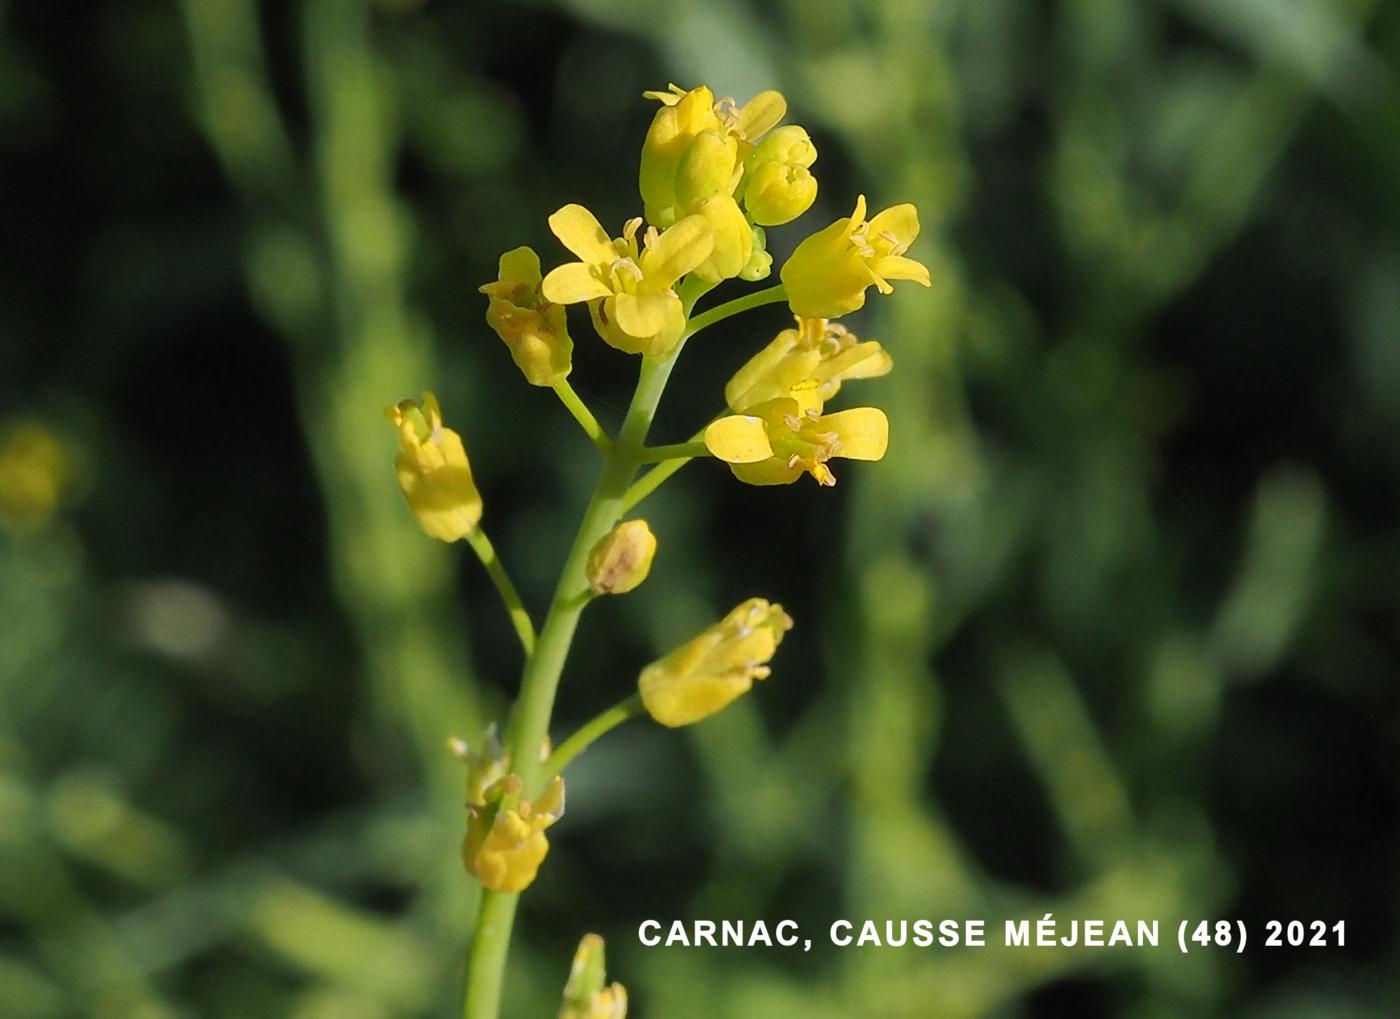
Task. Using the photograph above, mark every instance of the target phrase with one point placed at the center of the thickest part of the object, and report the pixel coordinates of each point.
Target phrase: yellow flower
(694, 159)
(696, 147)
(629, 289)
(505, 842)
(34, 474)
(827, 275)
(621, 559)
(775, 442)
(585, 997)
(532, 327)
(779, 187)
(707, 673)
(817, 350)
(433, 470)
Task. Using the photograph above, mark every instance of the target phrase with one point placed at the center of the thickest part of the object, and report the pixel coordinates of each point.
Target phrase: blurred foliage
(1111, 632)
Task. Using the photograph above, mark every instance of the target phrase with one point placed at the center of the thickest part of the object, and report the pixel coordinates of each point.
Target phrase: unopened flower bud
(708, 167)
(585, 997)
(532, 327)
(621, 559)
(779, 187)
(433, 471)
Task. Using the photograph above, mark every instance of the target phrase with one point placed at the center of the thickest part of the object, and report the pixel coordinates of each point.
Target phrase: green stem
(650, 482)
(575, 405)
(589, 732)
(661, 473)
(519, 617)
(772, 295)
(486, 960)
(675, 451)
(530, 720)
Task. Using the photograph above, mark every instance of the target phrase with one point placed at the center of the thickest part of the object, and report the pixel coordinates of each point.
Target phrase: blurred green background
(1112, 632)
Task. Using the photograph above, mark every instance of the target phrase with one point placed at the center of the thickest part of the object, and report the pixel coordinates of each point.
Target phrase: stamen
(897, 247)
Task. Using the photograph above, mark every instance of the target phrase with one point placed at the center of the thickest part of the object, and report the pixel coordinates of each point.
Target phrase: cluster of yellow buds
(585, 997)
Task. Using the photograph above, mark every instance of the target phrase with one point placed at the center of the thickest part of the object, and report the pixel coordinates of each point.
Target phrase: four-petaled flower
(828, 274)
(776, 442)
(628, 287)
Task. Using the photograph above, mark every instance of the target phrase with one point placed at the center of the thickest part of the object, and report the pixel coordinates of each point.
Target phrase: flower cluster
(714, 176)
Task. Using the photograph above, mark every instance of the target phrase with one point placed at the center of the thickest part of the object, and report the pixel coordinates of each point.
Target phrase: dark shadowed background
(1112, 631)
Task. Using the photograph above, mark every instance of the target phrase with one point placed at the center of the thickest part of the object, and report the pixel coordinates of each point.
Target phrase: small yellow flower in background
(629, 289)
(534, 329)
(505, 842)
(621, 559)
(433, 471)
(34, 473)
(707, 673)
(817, 350)
(779, 186)
(585, 997)
(776, 442)
(828, 274)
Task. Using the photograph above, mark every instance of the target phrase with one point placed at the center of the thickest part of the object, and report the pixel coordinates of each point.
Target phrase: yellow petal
(858, 216)
(768, 472)
(695, 111)
(706, 168)
(739, 439)
(898, 221)
(864, 432)
(733, 239)
(761, 113)
(581, 233)
(573, 282)
(520, 265)
(866, 360)
(757, 380)
(676, 252)
(643, 315)
(897, 267)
